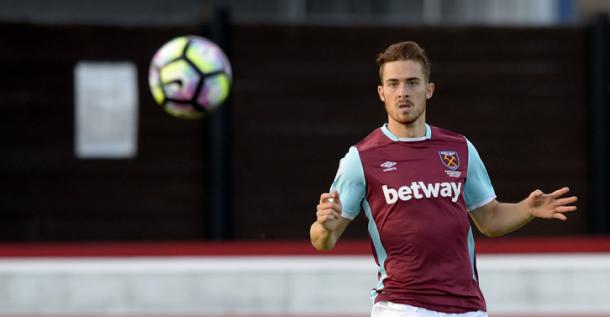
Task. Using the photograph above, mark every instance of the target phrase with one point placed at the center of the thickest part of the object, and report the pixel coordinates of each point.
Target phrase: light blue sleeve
(478, 190)
(350, 183)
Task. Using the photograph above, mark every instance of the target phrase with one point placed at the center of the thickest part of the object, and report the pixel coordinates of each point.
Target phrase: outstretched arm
(329, 225)
(496, 219)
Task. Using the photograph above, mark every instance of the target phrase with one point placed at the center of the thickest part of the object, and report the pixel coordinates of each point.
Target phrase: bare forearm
(321, 238)
(504, 218)
(496, 219)
(329, 224)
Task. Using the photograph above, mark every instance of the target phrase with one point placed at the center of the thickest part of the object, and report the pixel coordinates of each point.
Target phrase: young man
(417, 184)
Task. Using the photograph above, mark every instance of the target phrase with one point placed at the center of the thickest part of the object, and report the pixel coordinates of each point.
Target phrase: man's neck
(415, 129)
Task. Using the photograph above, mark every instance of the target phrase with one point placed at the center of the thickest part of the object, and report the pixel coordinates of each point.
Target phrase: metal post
(600, 130)
(220, 140)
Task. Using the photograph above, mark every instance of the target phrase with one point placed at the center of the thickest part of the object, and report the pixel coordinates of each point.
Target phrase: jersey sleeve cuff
(481, 203)
(348, 214)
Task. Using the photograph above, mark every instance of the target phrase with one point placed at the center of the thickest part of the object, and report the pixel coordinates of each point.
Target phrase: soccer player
(417, 185)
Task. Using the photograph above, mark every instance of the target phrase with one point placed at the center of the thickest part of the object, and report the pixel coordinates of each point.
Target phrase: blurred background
(526, 81)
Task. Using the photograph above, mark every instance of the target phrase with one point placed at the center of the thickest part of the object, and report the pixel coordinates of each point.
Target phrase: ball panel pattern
(189, 77)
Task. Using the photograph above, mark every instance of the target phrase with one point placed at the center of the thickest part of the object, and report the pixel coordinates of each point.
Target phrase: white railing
(576, 284)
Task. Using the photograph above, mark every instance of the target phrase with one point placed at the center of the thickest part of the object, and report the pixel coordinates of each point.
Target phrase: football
(189, 77)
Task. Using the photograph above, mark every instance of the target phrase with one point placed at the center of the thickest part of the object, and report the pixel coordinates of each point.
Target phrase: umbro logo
(388, 166)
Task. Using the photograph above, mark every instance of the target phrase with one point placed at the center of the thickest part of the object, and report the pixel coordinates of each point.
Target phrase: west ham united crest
(450, 159)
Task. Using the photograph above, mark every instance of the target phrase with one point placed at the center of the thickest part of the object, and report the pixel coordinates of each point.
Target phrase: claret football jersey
(416, 194)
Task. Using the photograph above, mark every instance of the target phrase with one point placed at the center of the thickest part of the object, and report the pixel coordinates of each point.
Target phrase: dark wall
(46, 192)
(302, 96)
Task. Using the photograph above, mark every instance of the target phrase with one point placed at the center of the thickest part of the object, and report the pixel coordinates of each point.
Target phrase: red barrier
(288, 248)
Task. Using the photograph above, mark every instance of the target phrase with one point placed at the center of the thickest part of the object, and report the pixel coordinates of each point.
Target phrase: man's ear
(429, 90)
(380, 92)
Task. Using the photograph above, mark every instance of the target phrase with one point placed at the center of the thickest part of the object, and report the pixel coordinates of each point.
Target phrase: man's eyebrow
(406, 79)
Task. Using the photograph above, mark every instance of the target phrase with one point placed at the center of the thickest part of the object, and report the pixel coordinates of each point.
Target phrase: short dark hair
(403, 51)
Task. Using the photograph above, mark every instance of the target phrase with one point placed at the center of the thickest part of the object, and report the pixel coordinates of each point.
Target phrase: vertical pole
(220, 140)
(600, 130)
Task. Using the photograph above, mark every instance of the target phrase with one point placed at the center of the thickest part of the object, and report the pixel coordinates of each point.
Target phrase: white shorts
(389, 309)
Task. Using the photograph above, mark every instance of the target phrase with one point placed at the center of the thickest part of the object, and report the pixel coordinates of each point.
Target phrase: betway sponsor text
(420, 190)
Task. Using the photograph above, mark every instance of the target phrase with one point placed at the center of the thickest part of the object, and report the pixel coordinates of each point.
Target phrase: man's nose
(404, 90)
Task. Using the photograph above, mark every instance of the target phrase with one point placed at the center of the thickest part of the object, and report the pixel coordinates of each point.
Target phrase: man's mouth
(404, 104)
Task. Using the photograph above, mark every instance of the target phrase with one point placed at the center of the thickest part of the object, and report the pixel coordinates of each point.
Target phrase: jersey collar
(394, 138)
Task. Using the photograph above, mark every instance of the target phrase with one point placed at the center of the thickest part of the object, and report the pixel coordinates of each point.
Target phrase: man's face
(404, 91)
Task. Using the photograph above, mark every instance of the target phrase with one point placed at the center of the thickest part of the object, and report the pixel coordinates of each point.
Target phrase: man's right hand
(329, 210)
(329, 225)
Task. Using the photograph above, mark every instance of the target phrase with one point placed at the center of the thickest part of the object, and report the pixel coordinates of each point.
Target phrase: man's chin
(406, 121)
